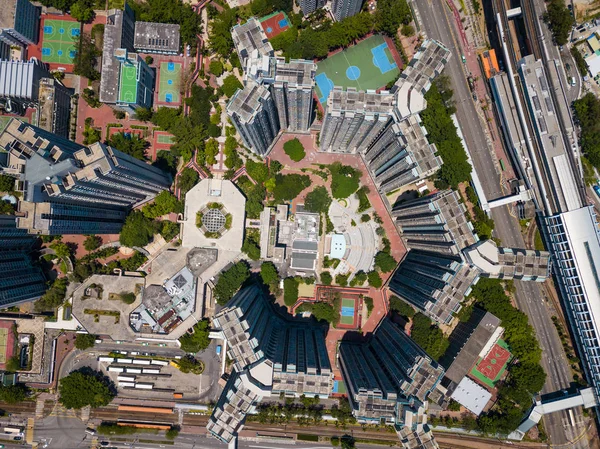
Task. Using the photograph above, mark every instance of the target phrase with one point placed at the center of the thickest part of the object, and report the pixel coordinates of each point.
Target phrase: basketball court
(169, 81)
(58, 41)
(347, 312)
(275, 24)
(490, 369)
(128, 84)
(367, 65)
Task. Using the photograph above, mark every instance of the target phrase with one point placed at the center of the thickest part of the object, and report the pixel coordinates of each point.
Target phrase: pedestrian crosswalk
(60, 410)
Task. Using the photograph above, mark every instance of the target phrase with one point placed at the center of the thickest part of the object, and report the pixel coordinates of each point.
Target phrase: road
(437, 21)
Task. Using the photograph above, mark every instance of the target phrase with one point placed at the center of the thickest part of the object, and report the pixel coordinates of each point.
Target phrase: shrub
(326, 278)
(290, 291)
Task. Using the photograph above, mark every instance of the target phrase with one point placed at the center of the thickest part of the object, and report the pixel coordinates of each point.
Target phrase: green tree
(187, 179)
(294, 149)
(560, 20)
(85, 341)
(164, 203)
(317, 200)
(7, 183)
(326, 278)
(344, 180)
(197, 340)
(130, 144)
(61, 250)
(230, 85)
(342, 279)
(230, 281)
(390, 15)
(219, 35)
(288, 187)
(216, 68)
(257, 171)
(86, 387)
(428, 336)
(85, 60)
(374, 279)
(13, 393)
(149, 60)
(251, 245)
(401, 308)
(290, 291)
(211, 151)
(169, 230)
(269, 273)
(143, 114)
(53, 297)
(13, 364)
(137, 230)
(82, 11)
(587, 111)
(92, 242)
(172, 433)
(385, 262)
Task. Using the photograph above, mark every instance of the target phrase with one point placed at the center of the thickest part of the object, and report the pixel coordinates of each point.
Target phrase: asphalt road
(437, 21)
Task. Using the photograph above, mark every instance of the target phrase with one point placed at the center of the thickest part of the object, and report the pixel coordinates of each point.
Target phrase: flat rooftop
(156, 37)
(248, 102)
(296, 73)
(250, 36)
(352, 100)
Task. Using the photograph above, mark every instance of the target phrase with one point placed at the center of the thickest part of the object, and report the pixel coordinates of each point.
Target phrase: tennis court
(347, 312)
(58, 41)
(339, 387)
(128, 84)
(169, 80)
(275, 24)
(367, 65)
(165, 138)
(490, 369)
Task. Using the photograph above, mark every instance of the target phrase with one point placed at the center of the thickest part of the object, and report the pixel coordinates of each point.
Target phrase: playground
(347, 312)
(275, 24)
(128, 84)
(367, 65)
(58, 41)
(491, 368)
(169, 82)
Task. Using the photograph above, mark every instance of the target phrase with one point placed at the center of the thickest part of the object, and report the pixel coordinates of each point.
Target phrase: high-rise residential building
(33, 155)
(345, 8)
(108, 177)
(435, 223)
(446, 257)
(118, 34)
(435, 283)
(19, 22)
(54, 107)
(248, 37)
(254, 115)
(271, 356)
(293, 93)
(20, 84)
(401, 154)
(20, 281)
(353, 119)
(389, 379)
(416, 78)
(58, 219)
(308, 6)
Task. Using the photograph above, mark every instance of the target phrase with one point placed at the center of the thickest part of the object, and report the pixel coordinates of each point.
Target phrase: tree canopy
(317, 200)
(164, 203)
(288, 187)
(294, 149)
(587, 111)
(326, 278)
(84, 62)
(92, 242)
(230, 85)
(344, 180)
(197, 340)
(390, 14)
(385, 262)
(86, 387)
(374, 279)
(7, 183)
(85, 341)
(560, 20)
(13, 393)
(230, 281)
(428, 336)
(53, 297)
(442, 132)
(187, 179)
(269, 273)
(137, 230)
(130, 144)
(401, 308)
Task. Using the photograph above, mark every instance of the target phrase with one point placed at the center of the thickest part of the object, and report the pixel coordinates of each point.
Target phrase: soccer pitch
(367, 65)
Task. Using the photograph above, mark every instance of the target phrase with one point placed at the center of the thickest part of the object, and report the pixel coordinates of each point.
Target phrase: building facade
(54, 111)
(19, 23)
(21, 280)
(271, 356)
(254, 115)
(345, 8)
(309, 6)
(389, 379)
(20, 84)
(353, 119)
(293, 93)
